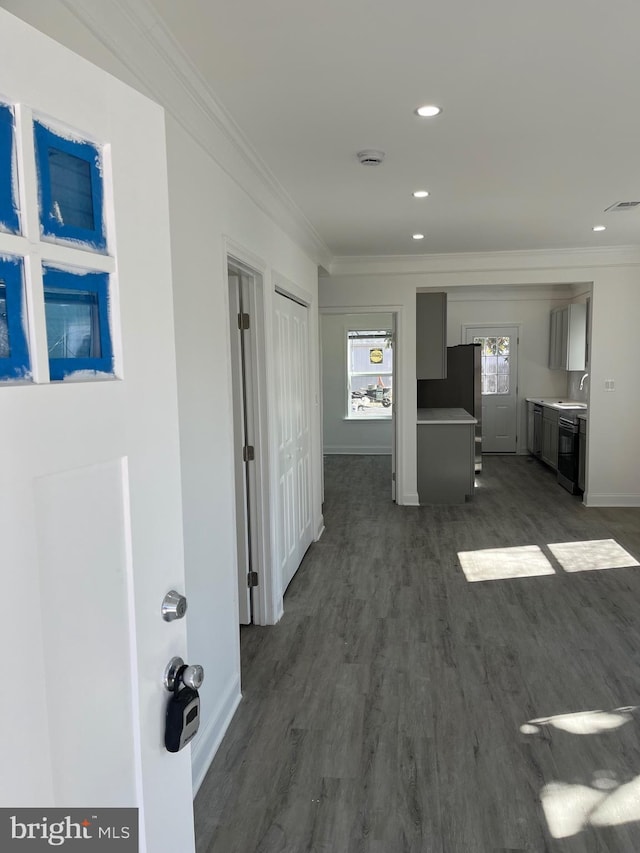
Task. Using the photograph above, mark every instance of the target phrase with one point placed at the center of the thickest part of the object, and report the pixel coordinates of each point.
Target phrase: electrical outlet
(609, 384)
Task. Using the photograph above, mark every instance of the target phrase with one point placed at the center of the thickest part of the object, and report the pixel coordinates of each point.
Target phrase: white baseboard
(594, 500)
(210, 736)
(357, 450)
(409, 500)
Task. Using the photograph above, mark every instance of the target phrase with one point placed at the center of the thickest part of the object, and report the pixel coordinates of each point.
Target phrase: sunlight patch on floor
(603, 797)
(582, 722)
(591, 556)
(571, 808)
(492, 564)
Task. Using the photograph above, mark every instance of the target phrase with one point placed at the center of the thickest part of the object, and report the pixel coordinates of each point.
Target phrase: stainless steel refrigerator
(462, 389)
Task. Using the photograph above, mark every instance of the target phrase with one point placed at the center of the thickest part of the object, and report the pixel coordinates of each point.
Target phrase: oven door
(568, 455)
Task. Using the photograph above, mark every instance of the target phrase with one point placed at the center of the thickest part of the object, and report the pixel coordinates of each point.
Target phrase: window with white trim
(369, 373)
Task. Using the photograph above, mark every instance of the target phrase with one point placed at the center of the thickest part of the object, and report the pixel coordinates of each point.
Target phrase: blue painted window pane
(14, 352)
(73, 327)
(71, 195)
(5, 346)
(9, 219)
(76, 308)
(71, 189)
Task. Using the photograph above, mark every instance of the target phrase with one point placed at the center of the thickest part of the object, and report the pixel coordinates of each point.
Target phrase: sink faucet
(582, 381)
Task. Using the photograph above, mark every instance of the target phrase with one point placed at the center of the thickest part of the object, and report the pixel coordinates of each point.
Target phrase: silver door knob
(174, 606)
(193, 676)
(176, 673)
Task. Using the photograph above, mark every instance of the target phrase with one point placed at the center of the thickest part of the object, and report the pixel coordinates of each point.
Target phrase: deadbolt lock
(174, 606)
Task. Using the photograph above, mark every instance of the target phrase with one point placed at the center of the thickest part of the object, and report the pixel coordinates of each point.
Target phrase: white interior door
(291, 351)
(499, 385)
(90, 505)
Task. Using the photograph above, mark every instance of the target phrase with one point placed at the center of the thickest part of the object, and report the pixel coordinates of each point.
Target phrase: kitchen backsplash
(573, 386)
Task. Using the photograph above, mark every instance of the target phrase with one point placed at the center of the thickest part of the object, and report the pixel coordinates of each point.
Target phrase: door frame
(503, 325)
(397, 416)
(246, 263)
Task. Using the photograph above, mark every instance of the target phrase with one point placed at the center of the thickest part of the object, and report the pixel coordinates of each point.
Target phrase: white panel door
(499, 386)
(90, 504)
(291, 350)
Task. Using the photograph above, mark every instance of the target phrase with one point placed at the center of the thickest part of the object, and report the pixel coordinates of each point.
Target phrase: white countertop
(445, 416)
(558, 405)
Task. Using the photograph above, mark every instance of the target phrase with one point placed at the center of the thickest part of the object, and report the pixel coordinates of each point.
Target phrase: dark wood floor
(384, 712)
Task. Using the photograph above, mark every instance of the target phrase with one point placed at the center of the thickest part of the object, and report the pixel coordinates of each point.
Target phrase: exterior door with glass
(90, 505)
(499, 348)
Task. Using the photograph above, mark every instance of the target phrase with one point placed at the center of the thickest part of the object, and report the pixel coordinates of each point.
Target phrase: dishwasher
(568, 452)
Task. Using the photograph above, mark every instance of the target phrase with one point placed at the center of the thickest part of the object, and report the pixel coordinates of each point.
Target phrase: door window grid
(495, 355)
(369, 373)
(69, 187)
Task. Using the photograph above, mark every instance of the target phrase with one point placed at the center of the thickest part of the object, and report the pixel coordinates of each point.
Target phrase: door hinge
(243, 321)
(248, 453)
(252, 579)
(393, 477)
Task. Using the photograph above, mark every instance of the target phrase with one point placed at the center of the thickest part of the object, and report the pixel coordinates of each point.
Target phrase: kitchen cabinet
(531, 427)
(446, 452)
(550, 437)
(431, 335)
(568, 337)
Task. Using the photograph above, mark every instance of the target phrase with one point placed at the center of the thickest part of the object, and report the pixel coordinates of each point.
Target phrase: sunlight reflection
(493, 564)
(570, 808)
(592, 555)
(604, 798)
(582, 722)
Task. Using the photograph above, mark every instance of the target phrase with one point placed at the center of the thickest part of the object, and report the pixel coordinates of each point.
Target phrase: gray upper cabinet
(431, 336)
(568, 337)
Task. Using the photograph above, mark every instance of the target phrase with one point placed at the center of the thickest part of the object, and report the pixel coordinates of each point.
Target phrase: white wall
(211, 211)
(341, 435)
(613, 464)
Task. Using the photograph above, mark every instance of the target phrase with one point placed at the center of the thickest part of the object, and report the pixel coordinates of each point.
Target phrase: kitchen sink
(570, 405)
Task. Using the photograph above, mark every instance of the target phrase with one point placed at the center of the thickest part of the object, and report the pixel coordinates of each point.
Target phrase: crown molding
(158, 66)
(487, 262)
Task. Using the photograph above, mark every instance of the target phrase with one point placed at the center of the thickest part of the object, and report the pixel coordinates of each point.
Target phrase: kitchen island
(446, 454)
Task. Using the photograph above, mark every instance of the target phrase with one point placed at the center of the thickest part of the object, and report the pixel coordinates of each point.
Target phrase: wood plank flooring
(384, 713)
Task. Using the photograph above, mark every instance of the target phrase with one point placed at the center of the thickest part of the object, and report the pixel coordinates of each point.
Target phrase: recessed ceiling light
(599, 227)
(421, 194)
(418, 236)
(428, 111)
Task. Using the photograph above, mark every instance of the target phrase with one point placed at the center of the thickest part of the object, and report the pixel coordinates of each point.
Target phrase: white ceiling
(540, 129)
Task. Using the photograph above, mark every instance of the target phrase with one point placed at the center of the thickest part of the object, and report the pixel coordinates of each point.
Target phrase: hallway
(398, 706)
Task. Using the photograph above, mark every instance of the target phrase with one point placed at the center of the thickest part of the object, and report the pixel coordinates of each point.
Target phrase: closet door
(293, 511)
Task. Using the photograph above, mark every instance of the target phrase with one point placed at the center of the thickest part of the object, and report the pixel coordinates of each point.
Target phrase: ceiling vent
(622, 206)
(370, 157)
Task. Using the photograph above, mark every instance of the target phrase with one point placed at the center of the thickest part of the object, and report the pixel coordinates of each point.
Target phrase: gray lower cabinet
(446, 469)
(431, 335)
(550, 437)
(531, 427)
